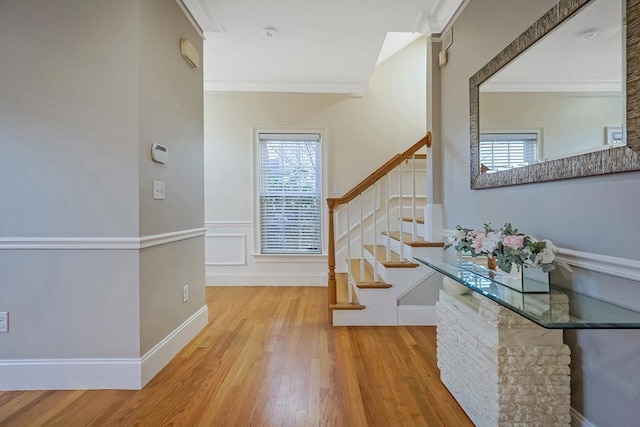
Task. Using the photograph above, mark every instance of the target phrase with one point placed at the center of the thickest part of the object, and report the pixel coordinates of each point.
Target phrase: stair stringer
(382, 307)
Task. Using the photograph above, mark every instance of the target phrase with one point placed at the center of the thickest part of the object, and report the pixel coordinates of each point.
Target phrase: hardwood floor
(268, 358)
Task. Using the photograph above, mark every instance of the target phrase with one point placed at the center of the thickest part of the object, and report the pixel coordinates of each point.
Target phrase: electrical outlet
(185, 293)
(4, 321)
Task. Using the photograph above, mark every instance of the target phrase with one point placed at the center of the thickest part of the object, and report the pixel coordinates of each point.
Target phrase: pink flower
(515, 242)
(479, 236)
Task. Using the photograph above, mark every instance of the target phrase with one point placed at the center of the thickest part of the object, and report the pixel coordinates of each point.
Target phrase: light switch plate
(158, 190)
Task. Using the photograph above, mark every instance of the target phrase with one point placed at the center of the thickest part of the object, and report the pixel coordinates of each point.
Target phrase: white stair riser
(381, 310)
(410, 252)
(407, 227)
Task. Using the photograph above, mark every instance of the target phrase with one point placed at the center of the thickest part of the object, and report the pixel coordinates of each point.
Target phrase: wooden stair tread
(342, 289)
(409, 219)
(366, 281)
(408, 239)
(394, 262)
(347, 306)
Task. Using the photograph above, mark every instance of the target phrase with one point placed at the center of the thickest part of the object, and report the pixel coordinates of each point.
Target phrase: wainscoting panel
(225, 249)
(230, 260)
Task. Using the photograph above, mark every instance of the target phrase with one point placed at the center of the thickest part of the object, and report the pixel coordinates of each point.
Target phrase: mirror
(539, 114)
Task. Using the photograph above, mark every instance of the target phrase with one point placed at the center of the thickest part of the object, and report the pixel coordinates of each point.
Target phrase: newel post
(331, 260)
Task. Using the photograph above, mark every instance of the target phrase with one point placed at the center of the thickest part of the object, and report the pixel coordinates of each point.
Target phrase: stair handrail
(334, 202)
(394, 162)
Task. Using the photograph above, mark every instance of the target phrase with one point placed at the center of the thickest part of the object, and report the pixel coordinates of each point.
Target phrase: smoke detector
(587, 34)
(270, 32)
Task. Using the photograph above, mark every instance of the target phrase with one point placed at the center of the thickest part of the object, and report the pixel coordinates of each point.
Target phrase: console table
(501, 352)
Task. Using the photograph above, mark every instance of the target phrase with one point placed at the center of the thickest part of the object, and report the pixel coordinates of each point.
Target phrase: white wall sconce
(189, 53)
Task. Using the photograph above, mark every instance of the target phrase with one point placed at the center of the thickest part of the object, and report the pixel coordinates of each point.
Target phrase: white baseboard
(91, 374)
(265, 279)
(417, 315)
(156, 358)
(69, 374)
(578, 420)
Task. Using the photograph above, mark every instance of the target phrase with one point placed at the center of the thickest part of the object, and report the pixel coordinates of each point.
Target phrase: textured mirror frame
(619, 159)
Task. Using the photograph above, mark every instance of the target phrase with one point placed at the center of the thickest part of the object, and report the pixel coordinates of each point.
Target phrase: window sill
(319, 258)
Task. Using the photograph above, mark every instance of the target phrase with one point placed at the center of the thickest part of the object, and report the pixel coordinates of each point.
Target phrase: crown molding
(344, 87)
(201, 11)
(191, 18)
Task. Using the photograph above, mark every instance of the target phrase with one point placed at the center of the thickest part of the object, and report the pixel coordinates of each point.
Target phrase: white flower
(546, 256)
(459, 235)
(549, 245)
(490, 242)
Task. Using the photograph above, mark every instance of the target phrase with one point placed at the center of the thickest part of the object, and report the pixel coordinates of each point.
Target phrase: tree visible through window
(290, 193)
(500, 151)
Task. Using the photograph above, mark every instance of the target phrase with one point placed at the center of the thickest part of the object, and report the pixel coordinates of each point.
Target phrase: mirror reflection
(562, 97)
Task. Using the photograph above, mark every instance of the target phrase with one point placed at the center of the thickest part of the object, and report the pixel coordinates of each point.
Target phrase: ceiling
(319, 46)
(585, 53)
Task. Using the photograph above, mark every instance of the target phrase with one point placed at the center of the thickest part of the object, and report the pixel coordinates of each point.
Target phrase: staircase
(375, 230)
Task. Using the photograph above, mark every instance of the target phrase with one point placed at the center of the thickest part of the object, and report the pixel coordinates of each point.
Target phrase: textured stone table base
(503, 369)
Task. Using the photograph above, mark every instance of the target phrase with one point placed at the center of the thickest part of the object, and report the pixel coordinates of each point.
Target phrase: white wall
(85, 88)
(596, 214)
(361, 134)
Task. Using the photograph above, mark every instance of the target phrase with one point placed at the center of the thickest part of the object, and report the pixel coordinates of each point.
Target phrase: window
(500, 151)
(290, 193)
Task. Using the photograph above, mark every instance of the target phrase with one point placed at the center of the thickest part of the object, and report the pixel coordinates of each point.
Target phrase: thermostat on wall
(159, 153)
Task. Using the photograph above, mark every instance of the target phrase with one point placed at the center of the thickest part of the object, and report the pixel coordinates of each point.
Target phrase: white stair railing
(369, 222)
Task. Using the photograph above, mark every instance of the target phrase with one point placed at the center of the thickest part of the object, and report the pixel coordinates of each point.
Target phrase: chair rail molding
(614, 266)
(88, 243)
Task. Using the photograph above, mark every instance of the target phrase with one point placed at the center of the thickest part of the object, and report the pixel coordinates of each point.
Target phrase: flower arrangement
(506, 245)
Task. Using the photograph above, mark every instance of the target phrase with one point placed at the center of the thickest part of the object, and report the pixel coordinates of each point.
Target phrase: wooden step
(409, 219)
(394, 262)
(408, 239)
(342, 292)
(366, 281)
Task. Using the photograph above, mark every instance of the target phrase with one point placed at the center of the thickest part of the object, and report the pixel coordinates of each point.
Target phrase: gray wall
(596, 214)
(171, 113)
(68, 118)
(85, 88)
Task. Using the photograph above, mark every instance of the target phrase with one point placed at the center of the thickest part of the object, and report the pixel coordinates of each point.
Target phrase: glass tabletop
(557, 309)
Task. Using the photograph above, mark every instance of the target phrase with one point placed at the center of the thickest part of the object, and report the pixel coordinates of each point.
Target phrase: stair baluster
(401, 251)
(376, 187)
(349, 272)
(387, 186)
(361, 236)
(414, 220)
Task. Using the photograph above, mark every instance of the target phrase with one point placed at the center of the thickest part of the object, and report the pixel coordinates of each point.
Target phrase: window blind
(290, 193)
(500, 151)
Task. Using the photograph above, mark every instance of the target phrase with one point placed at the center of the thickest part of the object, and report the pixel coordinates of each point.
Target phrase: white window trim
(255, 180)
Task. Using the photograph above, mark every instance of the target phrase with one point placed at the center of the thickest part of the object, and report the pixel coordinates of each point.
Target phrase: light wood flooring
(268, 358)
